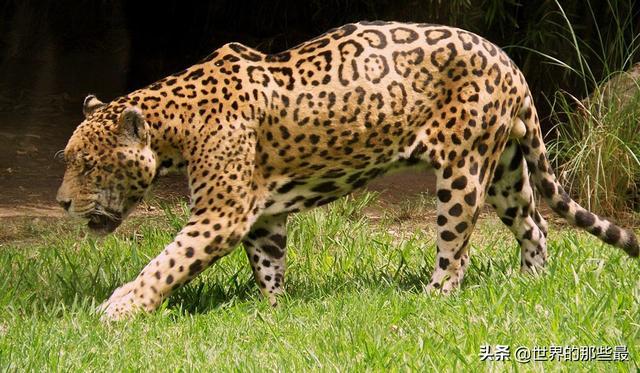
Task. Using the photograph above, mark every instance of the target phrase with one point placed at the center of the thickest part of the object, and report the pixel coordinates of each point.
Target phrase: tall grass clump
(597, 148)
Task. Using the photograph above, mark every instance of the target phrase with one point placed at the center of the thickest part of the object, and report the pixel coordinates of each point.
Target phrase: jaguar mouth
(103, 224)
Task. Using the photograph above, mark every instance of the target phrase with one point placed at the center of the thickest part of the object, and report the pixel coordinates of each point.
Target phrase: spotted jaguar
(262, 136)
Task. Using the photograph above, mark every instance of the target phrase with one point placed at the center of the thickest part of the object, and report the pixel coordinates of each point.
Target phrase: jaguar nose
(65, 204)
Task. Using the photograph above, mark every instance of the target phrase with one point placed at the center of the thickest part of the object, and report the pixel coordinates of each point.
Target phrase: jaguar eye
(87, 167)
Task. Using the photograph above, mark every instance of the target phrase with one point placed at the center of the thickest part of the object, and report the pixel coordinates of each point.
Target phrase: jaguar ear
(91, 103)
(131, 124)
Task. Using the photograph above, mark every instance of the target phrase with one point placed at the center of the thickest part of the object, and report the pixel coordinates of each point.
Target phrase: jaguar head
(109, 165)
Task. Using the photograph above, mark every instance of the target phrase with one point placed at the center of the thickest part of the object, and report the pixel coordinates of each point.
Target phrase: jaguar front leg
(266, 249)
(220, 218)
(200, 244)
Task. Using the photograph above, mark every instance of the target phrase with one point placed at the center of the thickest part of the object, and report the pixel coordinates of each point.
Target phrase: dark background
(53, 53)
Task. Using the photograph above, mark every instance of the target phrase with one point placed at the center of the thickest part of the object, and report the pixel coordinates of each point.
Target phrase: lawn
(354, 300)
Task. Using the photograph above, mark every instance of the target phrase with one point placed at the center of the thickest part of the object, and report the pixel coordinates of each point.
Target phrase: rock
(618, 91)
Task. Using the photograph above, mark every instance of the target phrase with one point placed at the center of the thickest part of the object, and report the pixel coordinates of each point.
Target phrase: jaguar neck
(166, 127)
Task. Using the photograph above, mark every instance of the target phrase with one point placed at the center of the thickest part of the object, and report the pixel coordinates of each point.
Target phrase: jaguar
(262, 136)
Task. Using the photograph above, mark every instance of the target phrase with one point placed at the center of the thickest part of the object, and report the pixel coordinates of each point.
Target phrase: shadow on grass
(205, 296)
(66, 272)
(209, 295)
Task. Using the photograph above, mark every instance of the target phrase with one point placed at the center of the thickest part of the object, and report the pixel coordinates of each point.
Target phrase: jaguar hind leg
(511, 196)
(266, 249)
(460, 196)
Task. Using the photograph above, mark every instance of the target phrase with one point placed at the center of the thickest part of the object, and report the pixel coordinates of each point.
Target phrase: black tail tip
(631, 245)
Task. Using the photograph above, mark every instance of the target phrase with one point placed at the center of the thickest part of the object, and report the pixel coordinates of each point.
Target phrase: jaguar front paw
(123, 304)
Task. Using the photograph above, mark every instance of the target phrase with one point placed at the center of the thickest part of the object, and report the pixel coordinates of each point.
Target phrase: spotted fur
(262, 136)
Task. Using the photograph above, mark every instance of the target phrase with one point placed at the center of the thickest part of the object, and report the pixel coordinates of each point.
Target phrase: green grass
(354, 301)
(597, 148)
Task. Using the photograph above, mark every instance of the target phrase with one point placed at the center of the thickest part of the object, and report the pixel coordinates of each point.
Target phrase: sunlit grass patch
(354, 301)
